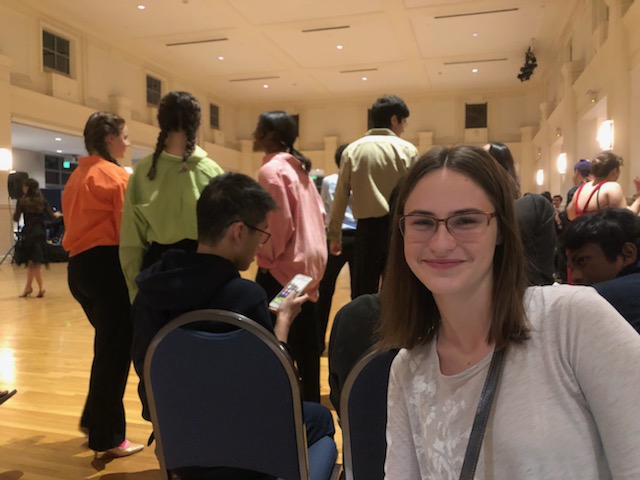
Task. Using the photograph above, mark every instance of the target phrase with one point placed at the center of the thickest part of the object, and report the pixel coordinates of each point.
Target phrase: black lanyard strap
(482, 416)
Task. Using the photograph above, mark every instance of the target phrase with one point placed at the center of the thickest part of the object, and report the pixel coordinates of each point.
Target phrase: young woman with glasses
(298, 238)
(454, 293)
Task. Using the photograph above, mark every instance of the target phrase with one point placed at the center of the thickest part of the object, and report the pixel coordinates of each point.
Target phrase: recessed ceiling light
(474, 34)
(339, 47)
(58, 151)
(474, 70)
(265, 85)
(220, 57)
(364, 79)
(58, 139)
(141, 7)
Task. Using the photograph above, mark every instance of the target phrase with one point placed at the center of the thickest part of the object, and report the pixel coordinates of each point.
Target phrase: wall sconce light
(540, 177)
(605, 135)
(562, 163)
(6, 160)
(593, 96)
(558, 132)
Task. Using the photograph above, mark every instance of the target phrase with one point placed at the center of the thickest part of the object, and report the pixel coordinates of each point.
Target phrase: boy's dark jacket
(182, 282)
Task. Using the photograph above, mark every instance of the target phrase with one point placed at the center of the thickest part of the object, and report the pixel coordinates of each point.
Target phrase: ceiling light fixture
(339, 47)
(474, 34)
(265, 85)
(58, 151)
(58, 139)
(474, 70)
(364, 79)
(141, 7)
(220, 57)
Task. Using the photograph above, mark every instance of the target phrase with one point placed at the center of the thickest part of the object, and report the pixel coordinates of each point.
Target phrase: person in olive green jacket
(160, 203)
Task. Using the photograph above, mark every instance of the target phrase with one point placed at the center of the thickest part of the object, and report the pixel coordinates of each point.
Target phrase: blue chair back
(363, 408)
(224, 394)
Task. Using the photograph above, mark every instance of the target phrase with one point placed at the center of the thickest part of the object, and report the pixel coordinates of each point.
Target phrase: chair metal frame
(240, 321)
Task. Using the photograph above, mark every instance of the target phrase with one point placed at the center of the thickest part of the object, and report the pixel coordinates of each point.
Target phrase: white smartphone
(296, 286)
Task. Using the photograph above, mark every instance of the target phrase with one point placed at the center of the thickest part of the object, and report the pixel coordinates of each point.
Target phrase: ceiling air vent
(253, 79)
(196, 42)
(325, 29)
(470, 14)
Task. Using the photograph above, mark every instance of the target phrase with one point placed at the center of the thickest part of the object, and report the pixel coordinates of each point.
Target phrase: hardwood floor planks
(45, 352)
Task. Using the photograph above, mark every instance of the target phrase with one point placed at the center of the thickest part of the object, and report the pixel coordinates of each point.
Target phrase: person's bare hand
(289, 309)
(335, 248)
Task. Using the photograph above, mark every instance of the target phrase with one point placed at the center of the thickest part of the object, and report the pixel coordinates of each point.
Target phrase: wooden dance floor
(46, 349)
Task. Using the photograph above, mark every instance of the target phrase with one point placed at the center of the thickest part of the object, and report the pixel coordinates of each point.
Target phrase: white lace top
(565, 407)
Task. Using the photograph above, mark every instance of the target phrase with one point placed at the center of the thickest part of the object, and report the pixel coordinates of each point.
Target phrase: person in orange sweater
(92, 204)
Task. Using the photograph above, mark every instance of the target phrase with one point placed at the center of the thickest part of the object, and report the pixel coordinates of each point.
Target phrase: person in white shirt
(334, 262)
(454, 293)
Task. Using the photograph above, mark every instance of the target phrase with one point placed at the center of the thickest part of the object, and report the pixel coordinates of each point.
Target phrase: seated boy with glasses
(232, 223)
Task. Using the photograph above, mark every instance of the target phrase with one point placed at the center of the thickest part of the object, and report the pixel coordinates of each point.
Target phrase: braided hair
(178, 111)
(285, 131)
(98, 127)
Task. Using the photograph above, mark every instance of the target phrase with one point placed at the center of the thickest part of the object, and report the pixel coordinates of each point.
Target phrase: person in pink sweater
(298, 237)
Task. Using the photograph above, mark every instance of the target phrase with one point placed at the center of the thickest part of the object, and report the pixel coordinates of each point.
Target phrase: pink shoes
(125, 449)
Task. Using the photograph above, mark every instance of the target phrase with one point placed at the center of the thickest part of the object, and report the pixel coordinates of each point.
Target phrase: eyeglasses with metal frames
(265, 235)
(461, 226)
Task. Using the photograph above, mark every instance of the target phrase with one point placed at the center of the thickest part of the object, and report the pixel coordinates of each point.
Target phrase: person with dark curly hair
(160, 205)
(33, 238)
(92, 202)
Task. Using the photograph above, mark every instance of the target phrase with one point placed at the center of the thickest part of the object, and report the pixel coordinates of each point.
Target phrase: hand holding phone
(296, 286)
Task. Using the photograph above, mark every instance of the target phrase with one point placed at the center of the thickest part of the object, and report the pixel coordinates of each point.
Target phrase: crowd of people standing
(464, 263)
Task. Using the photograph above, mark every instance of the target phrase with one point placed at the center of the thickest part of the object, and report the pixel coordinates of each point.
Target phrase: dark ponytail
(178, 111)
(285, 132)
(98, 127)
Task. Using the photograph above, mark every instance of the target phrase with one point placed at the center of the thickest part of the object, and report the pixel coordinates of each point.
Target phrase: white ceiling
(400, 46)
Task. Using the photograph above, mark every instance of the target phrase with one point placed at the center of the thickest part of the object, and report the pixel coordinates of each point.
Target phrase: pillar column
(246, 158)
(619, 88)
(122, 106)
(425, 142)
(330, 147)
(6, 222)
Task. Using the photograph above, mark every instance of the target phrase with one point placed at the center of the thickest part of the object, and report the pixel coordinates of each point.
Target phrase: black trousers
(97, 283)
(328, 283)
(303, 339)
(370, 254)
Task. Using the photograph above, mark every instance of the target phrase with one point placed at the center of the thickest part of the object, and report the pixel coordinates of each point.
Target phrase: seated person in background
(602, 250)
(232, 223)
(352, 334)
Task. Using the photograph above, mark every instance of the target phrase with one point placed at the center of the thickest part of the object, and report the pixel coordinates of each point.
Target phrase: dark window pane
(62, 65)
(65, 178)
(51, 178)
(62, 46)
(48, 40)
(475, 115)
(214, 116)
(51, 162)
(48, 59)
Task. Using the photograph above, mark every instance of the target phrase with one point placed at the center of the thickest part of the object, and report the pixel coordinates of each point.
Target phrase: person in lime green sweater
(160, 203)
